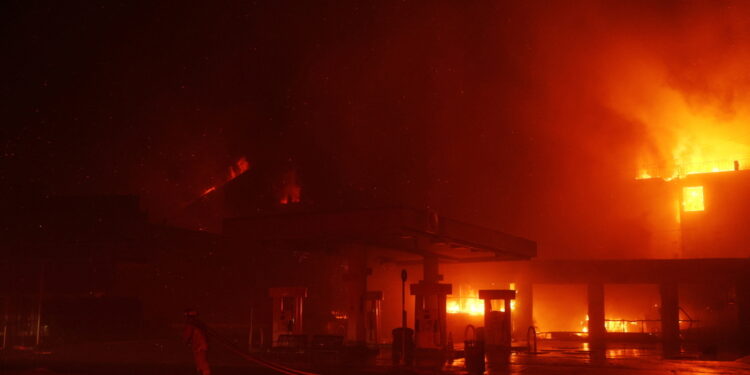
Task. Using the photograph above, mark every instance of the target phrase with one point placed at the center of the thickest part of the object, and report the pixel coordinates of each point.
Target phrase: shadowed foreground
(170, 357)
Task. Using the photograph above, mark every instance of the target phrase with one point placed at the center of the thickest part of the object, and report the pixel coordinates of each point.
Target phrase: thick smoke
(529, 117)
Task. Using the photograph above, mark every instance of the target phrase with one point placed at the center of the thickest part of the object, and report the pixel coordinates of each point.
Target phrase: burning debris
(235, 170)
(290, 188)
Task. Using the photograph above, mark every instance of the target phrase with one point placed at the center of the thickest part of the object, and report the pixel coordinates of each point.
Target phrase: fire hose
(255, 359)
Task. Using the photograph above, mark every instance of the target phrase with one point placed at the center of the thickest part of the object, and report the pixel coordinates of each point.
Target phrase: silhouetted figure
(195, 337)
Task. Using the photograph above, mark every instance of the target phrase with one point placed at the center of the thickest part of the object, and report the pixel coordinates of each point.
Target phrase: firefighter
(195, 337)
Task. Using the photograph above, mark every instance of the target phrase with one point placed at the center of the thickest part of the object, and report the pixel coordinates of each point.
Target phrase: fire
(339, 315)
(585, 324)
(239, 167)
(466, 305)
(468, 302)
(291, 190)
(691, 138)
(621, 325)
(692, 121)
(615, 325)
(692, 198)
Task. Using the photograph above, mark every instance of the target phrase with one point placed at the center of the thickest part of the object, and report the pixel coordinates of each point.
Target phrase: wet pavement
(553, 358)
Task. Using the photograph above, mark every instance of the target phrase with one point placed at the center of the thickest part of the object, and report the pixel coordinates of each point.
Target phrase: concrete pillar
(524, 314)
(670, 318)
(597, 330)
(431, 269)
(356, 290)
(743, 312)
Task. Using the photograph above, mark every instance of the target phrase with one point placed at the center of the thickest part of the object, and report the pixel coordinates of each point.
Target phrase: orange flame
(468, 302)
(615, 325)
(465, 305)
(690, 127)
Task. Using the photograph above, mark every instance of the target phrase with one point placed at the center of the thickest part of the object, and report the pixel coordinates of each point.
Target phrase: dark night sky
(487, 111)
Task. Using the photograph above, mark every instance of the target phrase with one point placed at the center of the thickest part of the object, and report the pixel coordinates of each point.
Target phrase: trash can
(398, 346)
(473, 350)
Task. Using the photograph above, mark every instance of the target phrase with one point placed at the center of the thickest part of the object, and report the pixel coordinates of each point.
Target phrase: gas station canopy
(404, 231)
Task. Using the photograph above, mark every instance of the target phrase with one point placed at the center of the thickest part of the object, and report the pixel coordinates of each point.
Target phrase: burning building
(308, 259)
(700, 215)
(299, 170)
(328, 258)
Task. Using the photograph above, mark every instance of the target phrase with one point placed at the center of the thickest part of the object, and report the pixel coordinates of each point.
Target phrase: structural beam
(670, 318)
(597, 330)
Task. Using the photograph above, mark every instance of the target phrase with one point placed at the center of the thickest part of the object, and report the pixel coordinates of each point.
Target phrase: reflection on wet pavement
(552, 358)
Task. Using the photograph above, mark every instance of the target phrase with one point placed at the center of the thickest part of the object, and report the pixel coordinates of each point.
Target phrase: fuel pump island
(430, 320)
(321, 261)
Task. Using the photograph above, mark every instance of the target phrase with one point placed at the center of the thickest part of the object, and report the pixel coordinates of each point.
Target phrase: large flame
(690, 127)
(465, 305)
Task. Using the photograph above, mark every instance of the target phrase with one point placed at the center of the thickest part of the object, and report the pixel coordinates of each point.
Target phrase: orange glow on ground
(692, 198)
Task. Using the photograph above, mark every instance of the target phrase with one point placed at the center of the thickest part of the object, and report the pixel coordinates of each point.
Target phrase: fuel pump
(497, 323)
(287, 311)
(372, 306)
(429, 325)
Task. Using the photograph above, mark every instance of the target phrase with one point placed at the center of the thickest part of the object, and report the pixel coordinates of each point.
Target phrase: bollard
(531, 333)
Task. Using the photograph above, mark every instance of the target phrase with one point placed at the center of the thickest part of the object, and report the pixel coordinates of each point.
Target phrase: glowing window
(692, 198)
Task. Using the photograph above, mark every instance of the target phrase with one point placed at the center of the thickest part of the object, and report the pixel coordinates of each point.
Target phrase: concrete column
(597, 330)
(431, 269)
(743, 311)
(356, 288)
(670, 318)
